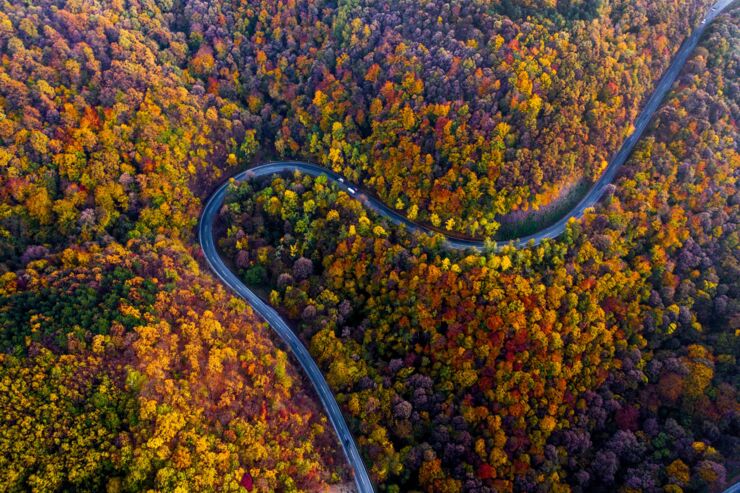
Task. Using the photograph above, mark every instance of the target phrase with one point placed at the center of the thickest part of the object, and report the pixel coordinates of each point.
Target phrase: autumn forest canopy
(602, 360)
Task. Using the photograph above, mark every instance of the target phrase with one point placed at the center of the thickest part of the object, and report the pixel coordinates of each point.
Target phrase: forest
(514, 104)
(124, 366)
(604, 360)
(123, 369)
(471, 111)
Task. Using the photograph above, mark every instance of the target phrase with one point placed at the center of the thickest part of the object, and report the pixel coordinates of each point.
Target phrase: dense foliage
(602, 361)
(461, 110)
(469, 111)
(605, 360)
(102, 132)
(122, 369)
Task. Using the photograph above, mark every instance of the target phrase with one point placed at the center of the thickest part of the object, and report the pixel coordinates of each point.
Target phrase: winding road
(210, 213)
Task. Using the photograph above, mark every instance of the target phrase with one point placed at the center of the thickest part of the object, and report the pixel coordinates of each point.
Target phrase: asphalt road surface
(210, 213)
